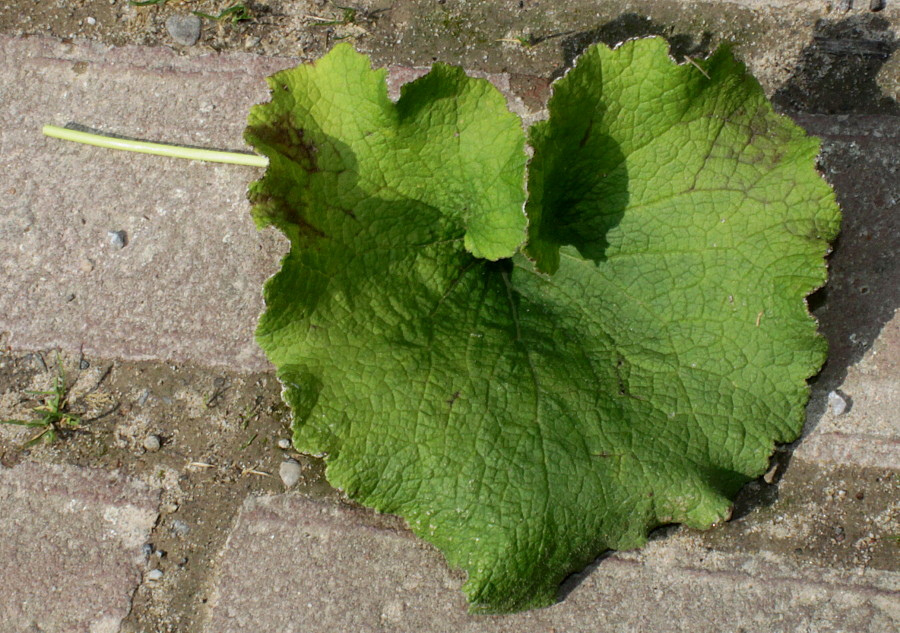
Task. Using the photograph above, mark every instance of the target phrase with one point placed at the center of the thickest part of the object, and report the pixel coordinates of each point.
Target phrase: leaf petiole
(158, 149)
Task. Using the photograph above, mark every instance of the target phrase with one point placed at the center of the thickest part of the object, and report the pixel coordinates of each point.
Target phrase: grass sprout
(52, 417)
(235, 13)
(249, 442)
(250, 412)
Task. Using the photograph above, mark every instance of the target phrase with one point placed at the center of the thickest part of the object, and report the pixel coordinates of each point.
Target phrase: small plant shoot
(235, 13)
(534, 361)
(52, 417)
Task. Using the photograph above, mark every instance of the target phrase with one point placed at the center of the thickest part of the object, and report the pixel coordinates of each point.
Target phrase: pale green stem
(159, 149)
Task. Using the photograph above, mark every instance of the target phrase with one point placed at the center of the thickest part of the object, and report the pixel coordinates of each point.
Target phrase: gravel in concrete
(299, 565)
(290, 471)
(71, 547)
(184, 29)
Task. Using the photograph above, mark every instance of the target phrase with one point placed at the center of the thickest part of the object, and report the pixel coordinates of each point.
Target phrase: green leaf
(525, 422)
(445, 162)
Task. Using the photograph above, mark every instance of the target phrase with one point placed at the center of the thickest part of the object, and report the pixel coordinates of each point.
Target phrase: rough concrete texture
(324, 568)
(857, 310)
(70, 547)
(156, 297)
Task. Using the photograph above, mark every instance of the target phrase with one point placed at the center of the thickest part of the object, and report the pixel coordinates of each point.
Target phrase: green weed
(249, 442)
(53, 419)
(250, 412)
(235, 13)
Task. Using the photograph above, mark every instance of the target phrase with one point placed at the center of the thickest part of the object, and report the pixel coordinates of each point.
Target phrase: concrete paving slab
(867, 433)
(858, 309)
(70, 547)
(193, 263)
(294, 565)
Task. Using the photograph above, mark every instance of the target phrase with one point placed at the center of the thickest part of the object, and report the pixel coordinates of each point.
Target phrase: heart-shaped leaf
(520, 421)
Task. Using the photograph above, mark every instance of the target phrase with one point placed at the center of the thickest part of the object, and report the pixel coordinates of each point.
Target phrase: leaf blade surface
(524, 422)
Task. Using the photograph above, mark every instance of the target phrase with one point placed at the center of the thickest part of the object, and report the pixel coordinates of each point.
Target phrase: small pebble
(289, 471)
(154, 575)
(90, 21)
(147, 549)
(83, 364)
(876, 5)
(284, 443)
(118, 239)
(180, 527)
(769, 477)
(837, 403)
(184, 29)
(152, 443)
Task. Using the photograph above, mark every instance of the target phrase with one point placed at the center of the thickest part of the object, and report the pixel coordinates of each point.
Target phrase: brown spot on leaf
(282, 136)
